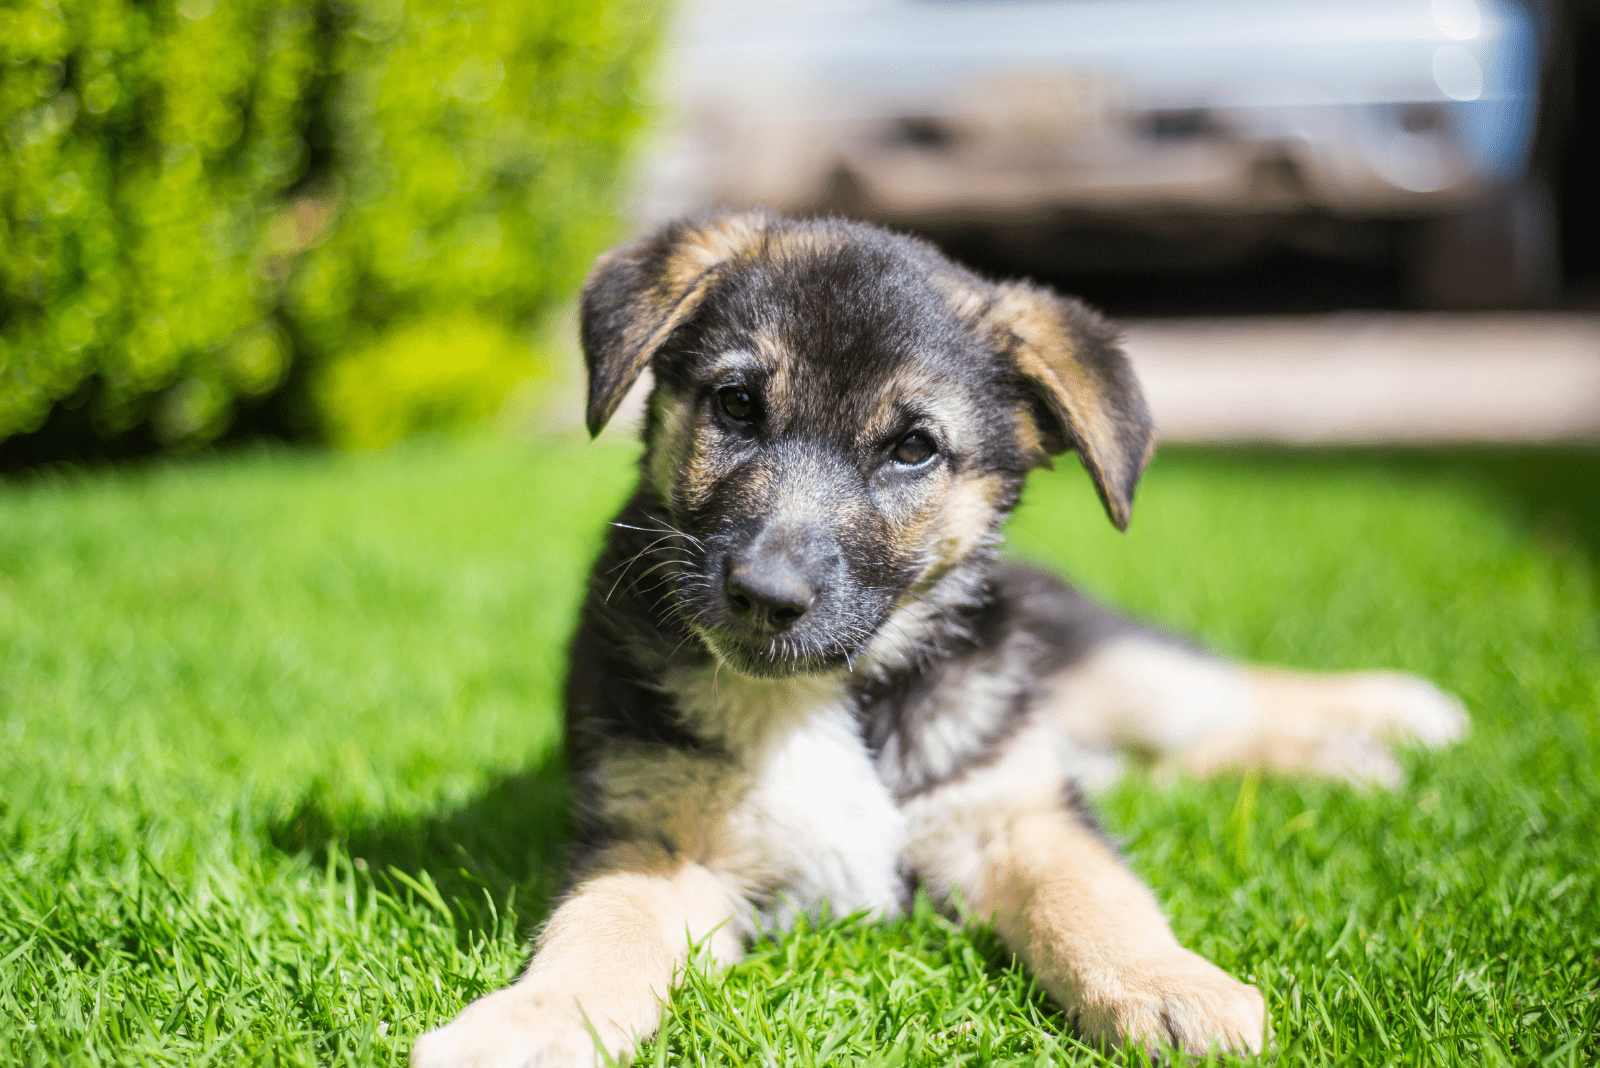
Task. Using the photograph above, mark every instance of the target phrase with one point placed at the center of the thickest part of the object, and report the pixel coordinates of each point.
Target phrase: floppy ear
(1069, 356)
(637, 294)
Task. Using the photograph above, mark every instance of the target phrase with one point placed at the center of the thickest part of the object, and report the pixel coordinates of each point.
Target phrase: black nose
(772, 595)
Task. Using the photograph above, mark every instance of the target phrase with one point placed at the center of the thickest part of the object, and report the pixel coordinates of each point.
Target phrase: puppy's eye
(913, 449)
(738, 403)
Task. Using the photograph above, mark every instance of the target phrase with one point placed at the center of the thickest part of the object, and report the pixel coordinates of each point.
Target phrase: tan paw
(516, 1028)
(1334, 726)
(1178, 1000)
(1403, 708)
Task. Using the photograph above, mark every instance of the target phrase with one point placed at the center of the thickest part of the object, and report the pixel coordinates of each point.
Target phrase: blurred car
(1209, 116)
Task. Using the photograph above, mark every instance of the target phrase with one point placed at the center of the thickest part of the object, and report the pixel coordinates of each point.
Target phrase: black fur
(1028, 614)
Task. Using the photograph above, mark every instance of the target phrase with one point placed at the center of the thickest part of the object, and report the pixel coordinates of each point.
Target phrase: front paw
(514, 1028)
(1178, 999)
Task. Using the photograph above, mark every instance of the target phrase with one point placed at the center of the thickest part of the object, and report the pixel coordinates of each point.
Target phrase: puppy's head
(841, 420)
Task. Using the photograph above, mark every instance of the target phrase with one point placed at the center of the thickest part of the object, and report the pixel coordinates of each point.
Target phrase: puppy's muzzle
(775, 580)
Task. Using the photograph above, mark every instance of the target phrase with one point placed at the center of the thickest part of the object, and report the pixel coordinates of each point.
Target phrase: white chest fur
(809, 820)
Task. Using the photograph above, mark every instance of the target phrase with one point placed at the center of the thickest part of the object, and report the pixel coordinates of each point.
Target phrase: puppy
(804, 677)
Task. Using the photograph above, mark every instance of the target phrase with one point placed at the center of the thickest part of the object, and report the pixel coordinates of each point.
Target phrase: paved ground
(1372, 377)
(1349, 377)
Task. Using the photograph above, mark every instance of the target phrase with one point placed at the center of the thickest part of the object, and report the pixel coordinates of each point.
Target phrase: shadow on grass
(1557, 490)
(507, 847)
(1554, 490)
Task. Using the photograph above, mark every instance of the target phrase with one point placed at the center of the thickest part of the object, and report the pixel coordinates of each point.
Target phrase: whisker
(663, 528)
(642, 552)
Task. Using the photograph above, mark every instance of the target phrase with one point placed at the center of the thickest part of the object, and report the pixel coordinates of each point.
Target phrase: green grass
(279, 782)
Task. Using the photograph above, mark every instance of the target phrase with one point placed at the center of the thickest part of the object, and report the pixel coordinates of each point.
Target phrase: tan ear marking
(718, 241)
(797, 243)
(1070, 356)
(638, 352)
(638, 293)
(965, 298)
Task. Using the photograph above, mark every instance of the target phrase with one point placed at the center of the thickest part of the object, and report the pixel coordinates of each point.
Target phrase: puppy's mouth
(777, 656)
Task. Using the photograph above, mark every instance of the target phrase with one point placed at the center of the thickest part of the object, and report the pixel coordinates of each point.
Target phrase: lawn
(280, 782)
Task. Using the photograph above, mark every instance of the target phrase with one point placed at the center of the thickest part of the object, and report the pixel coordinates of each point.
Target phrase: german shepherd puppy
(803, 676)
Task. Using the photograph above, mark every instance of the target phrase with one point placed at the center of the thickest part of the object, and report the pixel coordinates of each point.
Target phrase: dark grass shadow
(502, 853)
(1553, 491)
(1556, 490)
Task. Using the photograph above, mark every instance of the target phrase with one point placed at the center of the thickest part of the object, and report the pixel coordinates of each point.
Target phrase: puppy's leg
(1095, 938)
(1063, 901)
(1193, 712)
(604, 961)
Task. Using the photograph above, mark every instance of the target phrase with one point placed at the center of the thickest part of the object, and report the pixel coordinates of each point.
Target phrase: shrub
(434, 372)
(196, 194)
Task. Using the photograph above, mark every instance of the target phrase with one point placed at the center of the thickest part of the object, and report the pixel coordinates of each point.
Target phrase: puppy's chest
(805, 818)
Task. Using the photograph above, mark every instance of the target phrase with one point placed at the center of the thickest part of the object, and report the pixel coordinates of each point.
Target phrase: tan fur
(699, 468)
(964, 521)
(1096, 939)
(1146, 695)
(605, 961)
(670, 446)
(1197, 715)
(1047, 357)
(680, 796)
(1029, 437)
(647, 334)
(719, 241)
(1334, 726)
(741, 712)
(783, 392)
(966, 301)
(1063, 901)
(681, 304)
(797, 244)
(690, 273)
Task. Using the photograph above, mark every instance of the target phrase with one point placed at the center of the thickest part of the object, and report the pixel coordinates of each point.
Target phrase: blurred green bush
(388, 195)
